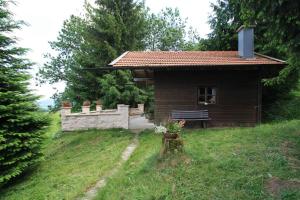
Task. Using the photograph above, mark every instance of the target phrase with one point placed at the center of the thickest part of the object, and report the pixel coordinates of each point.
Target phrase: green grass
(72, 163)
(229, 163)
(232, 163)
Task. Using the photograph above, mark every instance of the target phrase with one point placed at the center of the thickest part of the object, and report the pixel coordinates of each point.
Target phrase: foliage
(175, 126)
(224, 21)
(228, 163)
(166, 31)
(60, 66)
(149, 103)
(92, 41)
(172, 127)
(21, 121)
(119, 88)
(285, 108)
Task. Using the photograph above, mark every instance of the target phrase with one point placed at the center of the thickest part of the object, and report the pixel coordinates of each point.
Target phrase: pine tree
(116, 26)
(109, 28)
(20, 122)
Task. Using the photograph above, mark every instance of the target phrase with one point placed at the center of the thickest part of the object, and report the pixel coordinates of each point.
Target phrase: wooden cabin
(225, 83)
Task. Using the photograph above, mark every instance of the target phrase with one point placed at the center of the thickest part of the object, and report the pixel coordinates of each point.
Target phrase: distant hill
(44, 103)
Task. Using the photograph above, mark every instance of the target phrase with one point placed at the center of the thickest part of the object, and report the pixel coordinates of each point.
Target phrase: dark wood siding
(238, 95)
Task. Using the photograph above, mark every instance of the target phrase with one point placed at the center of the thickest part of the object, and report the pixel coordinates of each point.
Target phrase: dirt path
(92, 192)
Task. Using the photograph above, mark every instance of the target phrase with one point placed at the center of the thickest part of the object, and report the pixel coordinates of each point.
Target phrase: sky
(45, 19)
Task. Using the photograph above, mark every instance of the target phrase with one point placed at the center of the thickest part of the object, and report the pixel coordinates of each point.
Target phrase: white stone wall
(99, 119)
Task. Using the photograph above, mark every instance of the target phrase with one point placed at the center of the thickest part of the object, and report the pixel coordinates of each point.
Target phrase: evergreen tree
(165, 31)
(20, 122)
(224, 21)
(108, 29)
(116, 27)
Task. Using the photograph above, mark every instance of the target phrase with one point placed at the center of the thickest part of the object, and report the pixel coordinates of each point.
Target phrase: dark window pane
(209, 91)
(211, 99)
(201, 99)
(202, 91)
(214, 91)
(207, 95)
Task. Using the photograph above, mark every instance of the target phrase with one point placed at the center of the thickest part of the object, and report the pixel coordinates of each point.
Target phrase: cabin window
(207, 95)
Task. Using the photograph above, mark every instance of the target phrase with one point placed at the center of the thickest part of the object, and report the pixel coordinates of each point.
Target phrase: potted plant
(171, 141)
(160, 129)
(174, 129)
(98, 102)
(66, 104)
(171, 130)
(86, 103)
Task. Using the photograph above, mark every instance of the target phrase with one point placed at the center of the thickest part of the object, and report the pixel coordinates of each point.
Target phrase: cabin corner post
(124, 118)
(259, 96)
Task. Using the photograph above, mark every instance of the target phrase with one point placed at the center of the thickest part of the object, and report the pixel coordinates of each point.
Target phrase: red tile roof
(133, 59)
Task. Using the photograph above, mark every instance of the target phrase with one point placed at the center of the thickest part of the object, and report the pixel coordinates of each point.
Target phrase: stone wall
(99, 119)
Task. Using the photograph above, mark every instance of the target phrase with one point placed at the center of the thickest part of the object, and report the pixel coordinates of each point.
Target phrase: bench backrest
(194, 114)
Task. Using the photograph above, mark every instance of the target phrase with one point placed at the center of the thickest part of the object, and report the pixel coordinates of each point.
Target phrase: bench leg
(204, 124)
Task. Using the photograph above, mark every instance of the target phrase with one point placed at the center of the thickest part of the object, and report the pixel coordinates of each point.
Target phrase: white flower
(160, 129)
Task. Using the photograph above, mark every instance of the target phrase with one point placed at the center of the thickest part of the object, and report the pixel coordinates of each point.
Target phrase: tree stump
(171, 145)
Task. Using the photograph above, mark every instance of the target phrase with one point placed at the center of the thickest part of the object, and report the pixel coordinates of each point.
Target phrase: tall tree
(20, 122)
(66, 63)
(224, 21)
(166, 30)
(109, 29)
(116, 27)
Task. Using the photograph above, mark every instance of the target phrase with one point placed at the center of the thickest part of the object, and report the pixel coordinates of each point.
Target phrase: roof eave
(117, 59)
(271, 58)
(194, 66)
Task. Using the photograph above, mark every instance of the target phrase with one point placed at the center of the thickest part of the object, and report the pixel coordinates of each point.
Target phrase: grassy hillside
(73, 162)
(229, 163)
(239, 163)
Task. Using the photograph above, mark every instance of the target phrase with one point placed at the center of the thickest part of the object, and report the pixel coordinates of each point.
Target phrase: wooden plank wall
(237, 95)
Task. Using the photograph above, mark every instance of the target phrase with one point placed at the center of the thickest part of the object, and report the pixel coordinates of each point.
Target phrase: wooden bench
(192, 115)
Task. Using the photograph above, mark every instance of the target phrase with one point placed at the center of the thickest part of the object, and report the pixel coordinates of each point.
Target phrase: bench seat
(191, 115)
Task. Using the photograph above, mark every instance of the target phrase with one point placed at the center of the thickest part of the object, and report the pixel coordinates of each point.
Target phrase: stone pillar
(98, 108)
(65, 111)
(124, 111)
(85, 109)
(141, 107)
